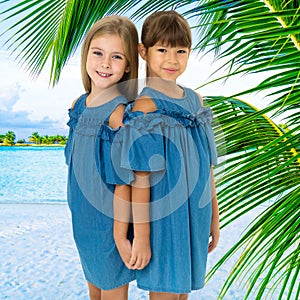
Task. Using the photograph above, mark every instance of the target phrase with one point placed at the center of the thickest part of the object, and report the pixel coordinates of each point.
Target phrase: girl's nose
(105, 63)
(172, 58)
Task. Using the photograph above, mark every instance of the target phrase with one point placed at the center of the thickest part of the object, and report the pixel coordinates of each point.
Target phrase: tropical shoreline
(32, 145)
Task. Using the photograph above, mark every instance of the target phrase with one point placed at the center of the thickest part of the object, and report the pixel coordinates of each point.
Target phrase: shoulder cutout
(144, 104)
(200, 99)
(116, 117)
(73, 103)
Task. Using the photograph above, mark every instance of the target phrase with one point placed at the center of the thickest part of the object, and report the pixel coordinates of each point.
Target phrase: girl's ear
(127, 70)
(142, 51)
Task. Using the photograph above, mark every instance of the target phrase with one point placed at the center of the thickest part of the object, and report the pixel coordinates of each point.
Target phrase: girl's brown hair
(168, 27)
(126, 30)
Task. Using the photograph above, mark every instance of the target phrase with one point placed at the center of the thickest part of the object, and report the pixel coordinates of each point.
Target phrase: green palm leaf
(262, 169)
(256, 38)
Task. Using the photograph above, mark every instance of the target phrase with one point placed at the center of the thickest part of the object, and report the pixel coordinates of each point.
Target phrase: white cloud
(10, 119)
(9, 95)
(28, 105)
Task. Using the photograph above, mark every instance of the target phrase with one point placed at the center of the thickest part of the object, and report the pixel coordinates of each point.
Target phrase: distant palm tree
(45, 139)
(21, 141)
(263, 160)
(59, 138)
(2, 136)
(9, 138)
(35, 138)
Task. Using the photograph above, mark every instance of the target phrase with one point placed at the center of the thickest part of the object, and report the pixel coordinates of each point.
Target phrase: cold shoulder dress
(176, 144)
(90, 194)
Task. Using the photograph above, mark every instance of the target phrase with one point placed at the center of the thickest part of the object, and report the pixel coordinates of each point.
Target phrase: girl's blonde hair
(168, 27)
(126, 30)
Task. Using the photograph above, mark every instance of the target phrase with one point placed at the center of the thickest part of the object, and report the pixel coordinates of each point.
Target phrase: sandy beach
(39, 258)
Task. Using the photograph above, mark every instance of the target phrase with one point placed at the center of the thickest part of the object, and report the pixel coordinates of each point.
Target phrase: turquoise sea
(32, 175)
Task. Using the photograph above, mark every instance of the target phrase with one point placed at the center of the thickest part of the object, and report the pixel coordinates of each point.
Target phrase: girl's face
(164, 61)
(106, 62)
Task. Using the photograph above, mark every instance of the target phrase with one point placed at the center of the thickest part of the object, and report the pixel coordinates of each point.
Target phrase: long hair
(126, 30)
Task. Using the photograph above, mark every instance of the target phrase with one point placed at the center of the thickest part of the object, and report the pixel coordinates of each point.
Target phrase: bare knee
(94, 292)
(183, 297)
(120, 293)
(166, 296)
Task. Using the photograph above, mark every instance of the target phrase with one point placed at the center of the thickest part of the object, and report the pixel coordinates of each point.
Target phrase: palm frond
(255, 37)
(33, 34)
(262, 170)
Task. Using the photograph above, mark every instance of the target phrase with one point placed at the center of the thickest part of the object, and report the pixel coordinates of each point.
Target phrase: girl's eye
(181, 51)
(98, 53)
(117, 57)
(162, 50)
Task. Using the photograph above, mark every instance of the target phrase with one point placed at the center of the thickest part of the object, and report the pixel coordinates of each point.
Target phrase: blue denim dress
(90, 194)
(176, 144)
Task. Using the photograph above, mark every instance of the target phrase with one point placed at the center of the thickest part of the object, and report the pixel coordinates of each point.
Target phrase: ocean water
(33, 175)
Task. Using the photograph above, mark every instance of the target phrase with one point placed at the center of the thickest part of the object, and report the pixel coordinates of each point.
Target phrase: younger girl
(109, 57)
(169, 144)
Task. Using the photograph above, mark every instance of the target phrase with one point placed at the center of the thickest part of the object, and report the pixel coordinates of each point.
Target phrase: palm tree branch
(283, 23)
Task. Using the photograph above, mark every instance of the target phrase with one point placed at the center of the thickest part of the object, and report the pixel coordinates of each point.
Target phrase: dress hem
(164, 290)
(112, 287)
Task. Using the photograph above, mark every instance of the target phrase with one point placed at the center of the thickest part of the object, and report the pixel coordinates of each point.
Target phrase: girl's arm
(141, 250)
(140, 197)
(215, 223)
(122, 211)
(121, 203)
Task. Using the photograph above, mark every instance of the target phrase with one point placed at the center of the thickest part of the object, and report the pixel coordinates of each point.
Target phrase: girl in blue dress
(169, 143)
(109, 61)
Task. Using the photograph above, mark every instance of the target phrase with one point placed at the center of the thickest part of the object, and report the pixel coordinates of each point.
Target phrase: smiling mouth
(170, 70)
(105, 75)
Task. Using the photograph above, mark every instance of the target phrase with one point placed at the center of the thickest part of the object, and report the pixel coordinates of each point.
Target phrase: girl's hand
(124, 248)
(140, 254)
(215, 235)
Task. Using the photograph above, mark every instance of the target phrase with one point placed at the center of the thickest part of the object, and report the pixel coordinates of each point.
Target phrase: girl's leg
(95, 293)
(183, 297)
(120, 293)
(167, 296)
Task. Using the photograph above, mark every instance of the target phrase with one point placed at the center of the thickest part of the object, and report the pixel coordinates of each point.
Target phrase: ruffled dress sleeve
(205, 117)
(143, 147)
(108, 156)
(74, 114)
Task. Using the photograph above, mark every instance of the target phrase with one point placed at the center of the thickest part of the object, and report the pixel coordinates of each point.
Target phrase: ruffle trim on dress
(107, 133)
(170, 118)
(139, 123)
(89, 127)
(74, 117)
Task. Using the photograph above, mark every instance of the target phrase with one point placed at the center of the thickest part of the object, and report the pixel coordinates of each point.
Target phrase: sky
(31, 105)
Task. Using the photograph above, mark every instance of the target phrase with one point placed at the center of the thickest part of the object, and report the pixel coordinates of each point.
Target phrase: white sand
(39, 260)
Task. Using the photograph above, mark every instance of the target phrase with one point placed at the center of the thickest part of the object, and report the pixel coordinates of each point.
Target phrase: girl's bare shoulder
(116, 118)
(144, 104)
(200, 98)
(73, 103)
